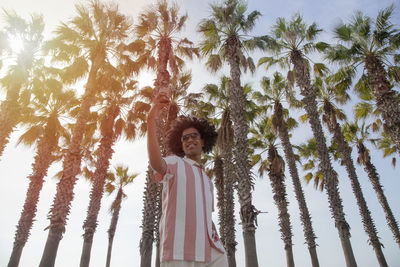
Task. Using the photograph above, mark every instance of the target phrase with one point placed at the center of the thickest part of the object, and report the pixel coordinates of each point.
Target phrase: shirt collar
(193, 163)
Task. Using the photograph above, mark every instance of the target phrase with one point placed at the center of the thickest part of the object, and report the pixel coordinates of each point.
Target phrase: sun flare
(16, 43)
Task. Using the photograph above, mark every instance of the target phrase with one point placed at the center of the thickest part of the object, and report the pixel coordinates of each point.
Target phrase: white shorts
(217, 260)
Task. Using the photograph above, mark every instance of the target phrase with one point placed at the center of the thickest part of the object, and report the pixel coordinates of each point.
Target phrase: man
(187, 233)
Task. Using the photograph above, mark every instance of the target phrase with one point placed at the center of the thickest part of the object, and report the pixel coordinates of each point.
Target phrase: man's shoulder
(172, 159)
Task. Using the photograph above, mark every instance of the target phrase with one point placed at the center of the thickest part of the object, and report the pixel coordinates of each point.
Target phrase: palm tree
(117, 181)
(219, 97)
(158, 27)
(85, 44)
(44, 129)
(263, 138)
(19, 76)
(223, 39)
(292, 41)
(225, 144)
(372, 44)
(331, 115)
(274, 92)
(116, 117)
(358, 135)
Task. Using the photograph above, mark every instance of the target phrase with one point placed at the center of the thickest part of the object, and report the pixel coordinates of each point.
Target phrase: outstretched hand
(159, 103)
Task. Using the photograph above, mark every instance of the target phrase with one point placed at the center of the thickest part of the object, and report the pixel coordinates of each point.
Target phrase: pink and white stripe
(187, 202)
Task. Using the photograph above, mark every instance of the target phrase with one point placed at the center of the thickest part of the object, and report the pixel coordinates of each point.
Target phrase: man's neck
(196, 158)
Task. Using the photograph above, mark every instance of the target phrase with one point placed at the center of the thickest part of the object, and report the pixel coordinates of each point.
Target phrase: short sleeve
(171, 162)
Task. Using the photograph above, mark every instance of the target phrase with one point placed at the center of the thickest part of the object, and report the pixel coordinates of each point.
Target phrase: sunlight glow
(16, 43)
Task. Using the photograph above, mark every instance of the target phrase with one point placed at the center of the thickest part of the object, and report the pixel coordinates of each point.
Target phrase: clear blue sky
(15, 166)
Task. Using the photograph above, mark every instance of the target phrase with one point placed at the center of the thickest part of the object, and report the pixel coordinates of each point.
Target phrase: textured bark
(241, 152)
(387, 101)
(163, 76)
(113, 226)
(43, 159)
(162, 80)
(225, 140)
(373, 176)
(104, 156)
(157, 222)
(345, 150)
(148, 219)
(71, 166)
(305, 216)
(335, 202)
(276, 170)
(219, 183)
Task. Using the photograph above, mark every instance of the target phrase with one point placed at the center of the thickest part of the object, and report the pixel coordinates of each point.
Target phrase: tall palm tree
(358, 135)
(218, 98)
(152, 200)
(291, 42)
(331, 115)
(159, 26)
(273, 93)
(373, 44)
(86, 43)
(223, 39)
(116, 117)
(217, 103)
(19, 76)
(117, 181)
(44, 129)
(263, 138)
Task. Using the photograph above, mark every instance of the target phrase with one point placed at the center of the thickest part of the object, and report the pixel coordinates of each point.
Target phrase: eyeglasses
(186, 137)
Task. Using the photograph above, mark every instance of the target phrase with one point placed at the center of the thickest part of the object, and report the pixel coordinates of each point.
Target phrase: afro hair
(207, 133)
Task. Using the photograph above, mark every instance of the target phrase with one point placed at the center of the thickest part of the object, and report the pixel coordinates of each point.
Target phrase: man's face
(192, 144)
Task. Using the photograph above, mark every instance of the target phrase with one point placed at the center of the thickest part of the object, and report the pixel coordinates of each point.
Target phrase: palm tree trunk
(109, 250)
(113, 226)
(289, 256)
(290, 159)
(149, 202)
(230, 240)
(230, 178)
(241, 152)
(276, 169)
(345, 150)
(105, 153)
(163, 77)
(71, 167)
(219, 182)
(375, 181)
(157, 264)
(163, 80)
(157, 222)
(51, 248)
(335, 202)
(43, 160)
(387, 100)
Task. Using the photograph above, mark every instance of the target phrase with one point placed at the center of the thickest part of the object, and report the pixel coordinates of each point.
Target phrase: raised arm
(156, 161)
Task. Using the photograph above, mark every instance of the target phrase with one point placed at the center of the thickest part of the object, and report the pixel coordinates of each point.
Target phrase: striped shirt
(186, 227)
